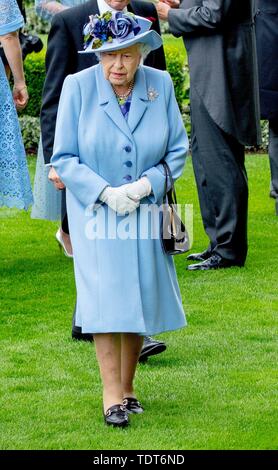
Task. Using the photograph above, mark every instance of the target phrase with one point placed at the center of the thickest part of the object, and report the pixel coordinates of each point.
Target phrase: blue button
(128, 163)
(127, 148)
(127, 178)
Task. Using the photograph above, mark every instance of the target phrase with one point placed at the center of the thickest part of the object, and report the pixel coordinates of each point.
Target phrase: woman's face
(120, 66)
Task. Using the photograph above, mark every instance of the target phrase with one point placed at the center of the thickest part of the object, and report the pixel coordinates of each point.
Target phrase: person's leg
(150, 346)
(273, 155)
(108, 351)
(206, 204)
(130, 352)
(221, 159)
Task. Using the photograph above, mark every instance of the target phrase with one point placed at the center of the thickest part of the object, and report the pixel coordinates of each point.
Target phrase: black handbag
(173, 233)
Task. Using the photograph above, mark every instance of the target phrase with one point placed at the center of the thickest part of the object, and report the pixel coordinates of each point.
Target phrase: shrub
(176, 68)
(179, 72)
(30, 129)
(35, 74)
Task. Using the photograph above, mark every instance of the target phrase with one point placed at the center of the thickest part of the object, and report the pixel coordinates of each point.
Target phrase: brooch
(152, 94)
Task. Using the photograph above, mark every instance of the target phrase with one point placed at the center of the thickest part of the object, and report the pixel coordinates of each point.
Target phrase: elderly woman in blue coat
(116, 122)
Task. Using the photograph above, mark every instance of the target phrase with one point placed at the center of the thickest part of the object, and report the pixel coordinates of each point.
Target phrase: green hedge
(176, 68)
(30, 129)
(179, 71)
(35, 75)
(34, 67)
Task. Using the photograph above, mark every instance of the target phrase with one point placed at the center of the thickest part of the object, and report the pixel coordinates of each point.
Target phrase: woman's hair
(144, 50)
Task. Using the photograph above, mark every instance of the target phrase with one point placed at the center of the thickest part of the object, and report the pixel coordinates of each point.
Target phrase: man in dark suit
(62, 58)
(267, 47)
(220, 41)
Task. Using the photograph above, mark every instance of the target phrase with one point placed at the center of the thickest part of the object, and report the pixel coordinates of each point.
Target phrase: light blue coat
(123, 285)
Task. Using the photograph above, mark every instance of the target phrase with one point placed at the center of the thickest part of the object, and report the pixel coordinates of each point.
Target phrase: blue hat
(113, 31)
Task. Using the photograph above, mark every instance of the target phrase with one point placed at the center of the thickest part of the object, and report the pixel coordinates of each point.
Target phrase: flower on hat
(109, 26)
(123, 25)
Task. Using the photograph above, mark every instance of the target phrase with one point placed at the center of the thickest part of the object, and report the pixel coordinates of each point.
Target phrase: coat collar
(139, 102)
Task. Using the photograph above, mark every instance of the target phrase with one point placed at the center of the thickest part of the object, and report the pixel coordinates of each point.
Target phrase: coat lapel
(139, 102)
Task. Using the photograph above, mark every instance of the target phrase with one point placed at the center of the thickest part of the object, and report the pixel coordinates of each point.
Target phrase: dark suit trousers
(273, 154)
(218, 162)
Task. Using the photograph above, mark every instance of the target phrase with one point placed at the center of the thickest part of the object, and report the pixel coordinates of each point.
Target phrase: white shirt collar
(103, 7)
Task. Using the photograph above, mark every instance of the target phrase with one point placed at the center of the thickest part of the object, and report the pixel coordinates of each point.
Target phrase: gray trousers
(273, 154)
(218, 162)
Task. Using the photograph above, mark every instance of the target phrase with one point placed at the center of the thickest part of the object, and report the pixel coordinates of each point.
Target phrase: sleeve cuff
(157, 180)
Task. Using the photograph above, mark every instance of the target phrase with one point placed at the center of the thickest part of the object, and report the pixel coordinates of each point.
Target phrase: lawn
(215, 387)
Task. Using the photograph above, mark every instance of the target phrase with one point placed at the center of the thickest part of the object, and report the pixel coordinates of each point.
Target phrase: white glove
(117, 199)
(139, 189)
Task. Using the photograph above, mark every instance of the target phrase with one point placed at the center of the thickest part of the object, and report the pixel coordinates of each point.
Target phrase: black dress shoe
(199, 256)
(132, 405)
(151, 347)
(82, 336)
(116, 416)
(214, 262)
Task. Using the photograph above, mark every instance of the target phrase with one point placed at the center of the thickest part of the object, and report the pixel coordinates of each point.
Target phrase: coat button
(127, 178)
(127, 148)
(128, 163)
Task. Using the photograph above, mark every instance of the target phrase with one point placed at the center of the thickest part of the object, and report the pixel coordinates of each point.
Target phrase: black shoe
(151, 347)
(79, 336)
(214, 262)
(132, 405)
(273, 194)
(116, 416)
(200, 256)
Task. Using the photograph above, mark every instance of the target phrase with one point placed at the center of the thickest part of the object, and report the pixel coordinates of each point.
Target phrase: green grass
(214, 388)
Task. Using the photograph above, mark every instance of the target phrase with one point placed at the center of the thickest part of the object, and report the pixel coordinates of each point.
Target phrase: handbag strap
(166, 181)
(171, 193)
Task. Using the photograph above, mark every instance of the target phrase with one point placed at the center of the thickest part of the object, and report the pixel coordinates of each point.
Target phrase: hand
(162, 10)
(139, 189)
(53, 7)
(54, 177)
(117, 199)
(172, 3)
(20, 96)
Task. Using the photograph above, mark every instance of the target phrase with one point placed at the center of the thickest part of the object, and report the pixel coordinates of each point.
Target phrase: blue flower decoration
(108, 26)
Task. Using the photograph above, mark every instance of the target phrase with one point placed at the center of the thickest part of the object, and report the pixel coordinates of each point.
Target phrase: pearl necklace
(123, 98)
